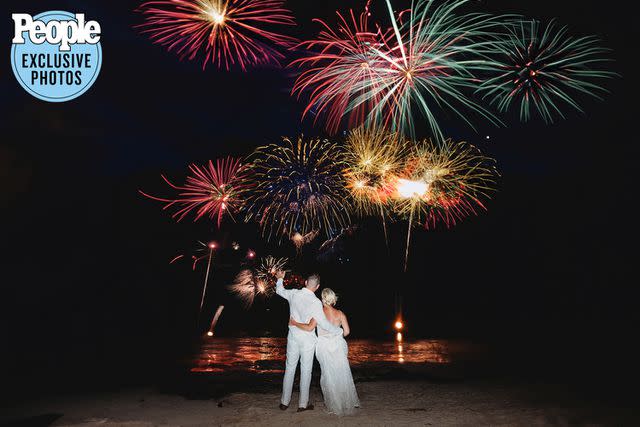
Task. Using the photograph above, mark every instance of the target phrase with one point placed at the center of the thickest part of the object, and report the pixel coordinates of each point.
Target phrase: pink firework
(213, 190)
(339, 67)
(425, 62)
(228, 32)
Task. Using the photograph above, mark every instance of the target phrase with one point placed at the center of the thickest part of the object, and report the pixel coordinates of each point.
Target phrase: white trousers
(301, 346)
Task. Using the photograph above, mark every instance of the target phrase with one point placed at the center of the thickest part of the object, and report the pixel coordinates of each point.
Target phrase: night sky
(85, 278)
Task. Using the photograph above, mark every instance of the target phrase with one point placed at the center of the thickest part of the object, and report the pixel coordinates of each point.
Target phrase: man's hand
(280, 274)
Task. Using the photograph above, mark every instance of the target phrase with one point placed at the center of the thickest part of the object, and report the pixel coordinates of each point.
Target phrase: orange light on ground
(210, 333)
(399, 325)
(399, 337)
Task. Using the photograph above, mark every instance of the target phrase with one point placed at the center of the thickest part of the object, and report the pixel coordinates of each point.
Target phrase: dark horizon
(85, 258)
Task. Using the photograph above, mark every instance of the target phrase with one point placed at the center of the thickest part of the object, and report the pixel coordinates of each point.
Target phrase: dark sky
(84, 257)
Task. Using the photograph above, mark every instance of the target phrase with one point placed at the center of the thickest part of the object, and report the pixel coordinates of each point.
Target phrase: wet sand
(384, 403)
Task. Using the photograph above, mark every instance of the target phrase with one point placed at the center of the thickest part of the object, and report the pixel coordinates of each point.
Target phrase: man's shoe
(308, 408)
(283, 407)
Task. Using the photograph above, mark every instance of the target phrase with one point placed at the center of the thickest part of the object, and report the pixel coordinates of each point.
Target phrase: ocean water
(267, 355)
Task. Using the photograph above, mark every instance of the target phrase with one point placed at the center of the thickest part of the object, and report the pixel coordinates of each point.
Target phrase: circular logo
(53, 60)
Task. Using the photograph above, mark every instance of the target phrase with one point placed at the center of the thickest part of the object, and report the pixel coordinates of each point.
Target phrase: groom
(301, 345)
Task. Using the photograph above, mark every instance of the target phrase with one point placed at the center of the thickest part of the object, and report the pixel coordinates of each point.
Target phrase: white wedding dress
(336, 381)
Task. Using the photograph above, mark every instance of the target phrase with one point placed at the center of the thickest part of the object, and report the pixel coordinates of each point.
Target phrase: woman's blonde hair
(329, 297)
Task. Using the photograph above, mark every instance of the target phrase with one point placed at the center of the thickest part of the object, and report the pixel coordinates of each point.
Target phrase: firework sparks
(299, 188)
(341, 61)
(300, 240)
(268, 268)
(249, 283)
(443, 183)
(373, 156)
(541, 69)
(213, 190)
(228, 32)
(429, 60)
(245, 287)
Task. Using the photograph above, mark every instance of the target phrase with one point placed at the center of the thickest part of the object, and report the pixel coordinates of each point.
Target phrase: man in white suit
(301, 345)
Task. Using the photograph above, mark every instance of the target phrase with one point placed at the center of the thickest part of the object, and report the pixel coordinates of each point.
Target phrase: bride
(336, 381)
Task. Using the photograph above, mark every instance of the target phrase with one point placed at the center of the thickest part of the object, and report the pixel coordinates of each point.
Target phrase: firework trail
(215, 320)
(444, 183)
(227, 32)
(205, 251)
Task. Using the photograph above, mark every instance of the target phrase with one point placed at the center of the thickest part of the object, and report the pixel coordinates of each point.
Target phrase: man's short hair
(314, 279)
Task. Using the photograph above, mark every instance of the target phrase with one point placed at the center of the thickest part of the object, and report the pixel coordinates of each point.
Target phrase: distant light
(488, 137)
(408, 189)
(399, 337)
(399, 325)
(235, 246)
(251, 254)
(210, 333)
(212, 245)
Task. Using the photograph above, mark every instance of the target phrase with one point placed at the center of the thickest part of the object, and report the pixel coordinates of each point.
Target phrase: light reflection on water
(266, 355)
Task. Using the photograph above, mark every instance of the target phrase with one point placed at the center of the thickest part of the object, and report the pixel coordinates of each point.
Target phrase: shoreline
(384, 402)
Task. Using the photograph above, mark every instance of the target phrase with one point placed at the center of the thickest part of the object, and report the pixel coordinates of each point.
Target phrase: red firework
(340, 68)
(227, 31)
(211, 190)
(452, 209)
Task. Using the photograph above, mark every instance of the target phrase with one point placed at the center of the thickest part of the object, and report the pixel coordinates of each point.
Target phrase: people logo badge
(56, 55)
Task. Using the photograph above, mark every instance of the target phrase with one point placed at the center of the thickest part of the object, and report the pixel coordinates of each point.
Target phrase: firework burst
(340, 61)
(262, 281)
(428, 60)
(228, 32)
(444, 183)
(213, 190)
(373, 157)
(542, 69)
(299, 188)
(245, 287)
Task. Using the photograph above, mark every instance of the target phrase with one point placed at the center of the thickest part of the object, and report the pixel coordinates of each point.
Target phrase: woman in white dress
(336, 381)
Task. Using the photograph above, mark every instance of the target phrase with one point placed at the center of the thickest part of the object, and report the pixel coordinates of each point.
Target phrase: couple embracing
(306, 314)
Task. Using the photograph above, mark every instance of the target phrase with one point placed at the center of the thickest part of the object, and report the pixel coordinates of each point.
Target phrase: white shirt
(304, 305)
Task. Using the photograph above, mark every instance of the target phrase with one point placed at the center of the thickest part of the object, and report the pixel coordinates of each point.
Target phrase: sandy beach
(383, 403)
